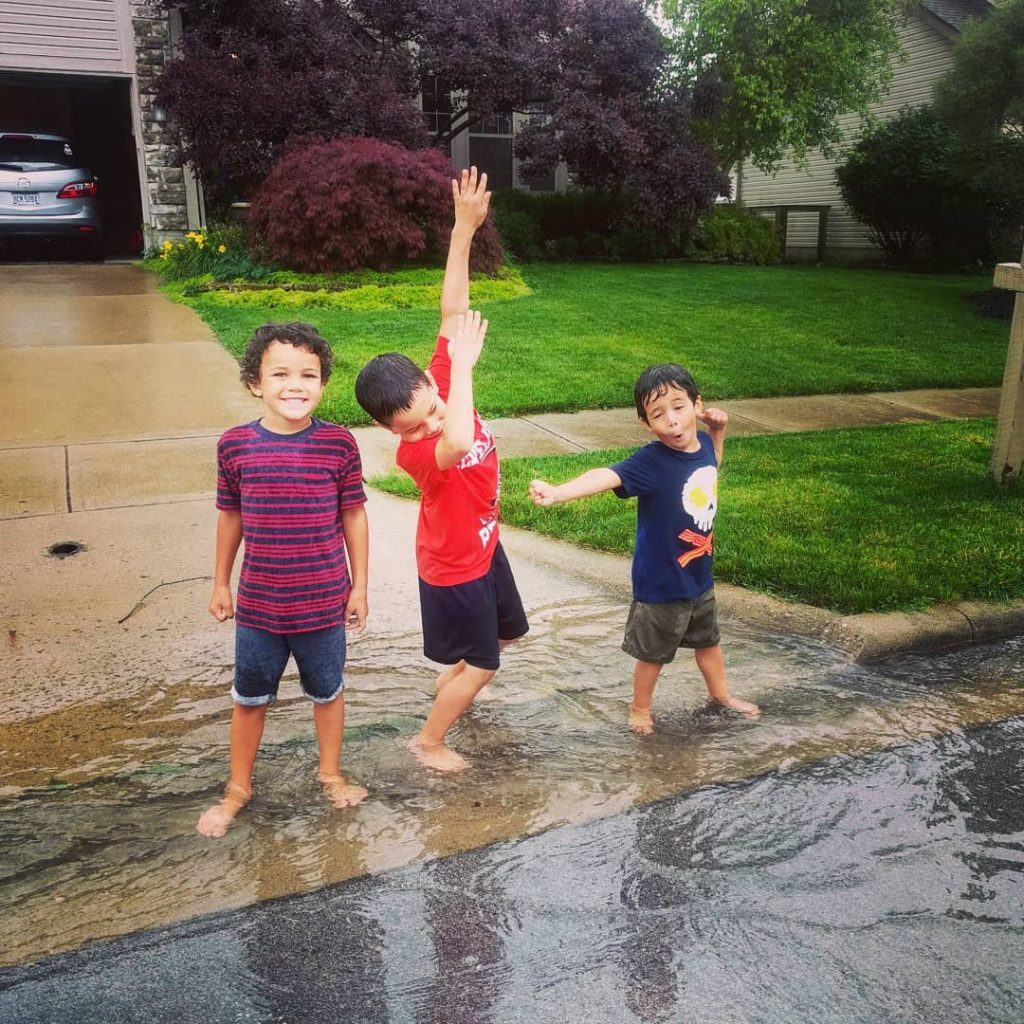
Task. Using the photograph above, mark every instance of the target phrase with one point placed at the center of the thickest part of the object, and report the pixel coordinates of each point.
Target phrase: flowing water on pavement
(886, 763)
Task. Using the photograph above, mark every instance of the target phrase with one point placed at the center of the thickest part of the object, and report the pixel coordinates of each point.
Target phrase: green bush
(519, 233)
(736, 234)
(927, 193)
(221, 252)
(579, 225)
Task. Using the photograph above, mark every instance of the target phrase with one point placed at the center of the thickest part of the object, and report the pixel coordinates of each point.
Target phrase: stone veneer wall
(164, 181)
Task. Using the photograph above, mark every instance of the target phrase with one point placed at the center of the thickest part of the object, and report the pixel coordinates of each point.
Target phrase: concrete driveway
(110, 405)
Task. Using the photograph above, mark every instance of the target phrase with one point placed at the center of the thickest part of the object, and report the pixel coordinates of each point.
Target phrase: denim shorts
(654, 632)
(469, 619)
(261, 656)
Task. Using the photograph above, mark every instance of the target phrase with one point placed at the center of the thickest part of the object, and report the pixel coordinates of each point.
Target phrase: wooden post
(822, 232)
(1008, 451)
(782, 223)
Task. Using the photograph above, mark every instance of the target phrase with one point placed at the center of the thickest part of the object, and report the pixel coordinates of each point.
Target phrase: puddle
(111, 849)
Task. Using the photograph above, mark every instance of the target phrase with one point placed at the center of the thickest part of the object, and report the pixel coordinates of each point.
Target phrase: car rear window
(22, 149)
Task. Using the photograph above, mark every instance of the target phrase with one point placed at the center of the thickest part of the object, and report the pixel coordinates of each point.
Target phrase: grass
(866, 519)
(580, 336)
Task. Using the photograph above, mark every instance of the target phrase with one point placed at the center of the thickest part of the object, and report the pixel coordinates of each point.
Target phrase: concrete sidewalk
(565, 433)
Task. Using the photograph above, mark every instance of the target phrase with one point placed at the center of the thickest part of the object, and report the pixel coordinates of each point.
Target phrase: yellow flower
(222, 248)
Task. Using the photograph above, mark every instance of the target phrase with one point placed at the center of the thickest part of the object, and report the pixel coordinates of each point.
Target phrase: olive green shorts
(654, 632)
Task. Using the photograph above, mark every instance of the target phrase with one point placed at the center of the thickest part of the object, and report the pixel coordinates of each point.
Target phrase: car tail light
(78, 190)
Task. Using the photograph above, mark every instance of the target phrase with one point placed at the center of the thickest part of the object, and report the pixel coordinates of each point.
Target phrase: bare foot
(437, 756)
(744, 707)
(339, 791)
(640, 721)
(216, 820)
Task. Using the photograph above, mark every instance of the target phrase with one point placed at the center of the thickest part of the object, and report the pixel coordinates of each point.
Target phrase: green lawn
(868, 519)
(583, 333)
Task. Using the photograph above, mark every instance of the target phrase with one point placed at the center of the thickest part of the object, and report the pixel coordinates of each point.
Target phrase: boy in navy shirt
(675, 479)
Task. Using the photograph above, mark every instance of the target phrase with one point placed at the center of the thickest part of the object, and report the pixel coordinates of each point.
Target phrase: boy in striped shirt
(291, 486)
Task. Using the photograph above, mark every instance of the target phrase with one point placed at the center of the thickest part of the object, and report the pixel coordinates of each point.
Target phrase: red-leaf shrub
(357, 203)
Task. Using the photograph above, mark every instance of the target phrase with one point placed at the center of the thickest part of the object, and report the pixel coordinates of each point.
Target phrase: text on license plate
(26, 198)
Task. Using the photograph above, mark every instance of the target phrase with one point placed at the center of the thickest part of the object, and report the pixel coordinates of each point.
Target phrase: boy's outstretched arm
(459, 424)
(471, 200)
(594, 481)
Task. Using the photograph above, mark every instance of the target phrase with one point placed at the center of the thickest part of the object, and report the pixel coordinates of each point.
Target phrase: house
(88, 69)
(927, 37)
(487, 144)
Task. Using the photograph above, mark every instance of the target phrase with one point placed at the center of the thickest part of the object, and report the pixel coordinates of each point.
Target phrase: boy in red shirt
(469, 603)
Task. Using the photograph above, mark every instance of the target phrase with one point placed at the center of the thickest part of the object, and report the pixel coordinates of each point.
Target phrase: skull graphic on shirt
(700, 496)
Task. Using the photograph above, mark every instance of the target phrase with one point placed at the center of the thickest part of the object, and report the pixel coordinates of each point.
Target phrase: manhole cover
(65, 548)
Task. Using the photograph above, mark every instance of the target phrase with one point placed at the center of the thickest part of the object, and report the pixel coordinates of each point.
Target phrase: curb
(874, 636)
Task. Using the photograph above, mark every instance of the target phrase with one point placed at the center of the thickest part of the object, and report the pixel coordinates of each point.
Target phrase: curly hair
(298, 334)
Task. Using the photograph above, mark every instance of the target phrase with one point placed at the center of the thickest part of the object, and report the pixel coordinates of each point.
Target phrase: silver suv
(46, 192)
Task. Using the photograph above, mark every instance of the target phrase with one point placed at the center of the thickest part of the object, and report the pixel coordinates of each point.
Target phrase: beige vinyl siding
(66, 36)
(927, 50)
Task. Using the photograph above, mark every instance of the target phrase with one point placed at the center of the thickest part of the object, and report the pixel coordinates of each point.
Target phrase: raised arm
(594, 481)
(459, 427)
(471, 200)
(715, 420)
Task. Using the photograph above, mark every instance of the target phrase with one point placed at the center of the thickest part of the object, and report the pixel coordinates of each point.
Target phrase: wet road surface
(875, 888)
(863, 839)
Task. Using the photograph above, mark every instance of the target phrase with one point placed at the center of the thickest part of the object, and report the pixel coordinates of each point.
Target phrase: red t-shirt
(457, 530)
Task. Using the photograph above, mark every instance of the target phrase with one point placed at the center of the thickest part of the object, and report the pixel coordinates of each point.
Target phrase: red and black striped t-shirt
(291, 489)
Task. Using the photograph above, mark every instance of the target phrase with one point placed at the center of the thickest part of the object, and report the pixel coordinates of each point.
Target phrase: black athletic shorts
(468, 619)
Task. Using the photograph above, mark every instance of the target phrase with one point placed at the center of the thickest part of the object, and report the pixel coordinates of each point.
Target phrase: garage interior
(94, 112)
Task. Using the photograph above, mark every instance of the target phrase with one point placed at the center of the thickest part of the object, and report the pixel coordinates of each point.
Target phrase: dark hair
(656, 380)
(387, 384)
(298, 334)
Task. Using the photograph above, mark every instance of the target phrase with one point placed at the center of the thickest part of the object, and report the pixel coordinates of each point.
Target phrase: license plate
(26, 198)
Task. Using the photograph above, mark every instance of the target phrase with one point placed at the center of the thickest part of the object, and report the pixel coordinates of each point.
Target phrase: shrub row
(735, 234)
(590, 226)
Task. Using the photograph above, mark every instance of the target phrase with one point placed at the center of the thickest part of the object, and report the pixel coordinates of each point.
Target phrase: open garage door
(94, 112)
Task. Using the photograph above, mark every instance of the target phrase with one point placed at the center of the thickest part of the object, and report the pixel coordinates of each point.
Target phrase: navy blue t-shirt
(677, 496)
